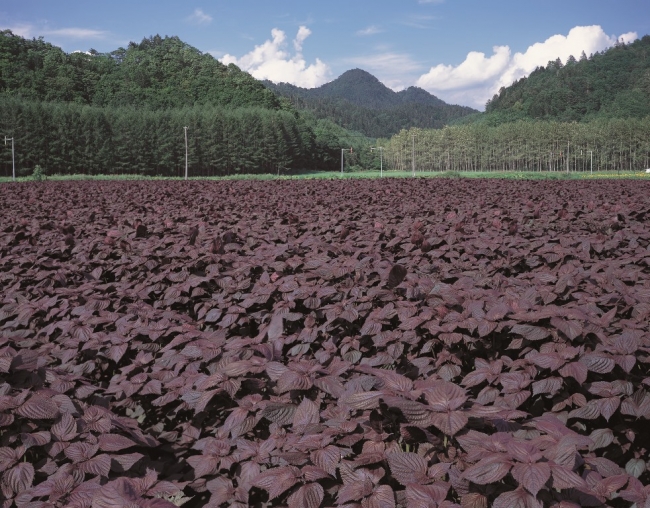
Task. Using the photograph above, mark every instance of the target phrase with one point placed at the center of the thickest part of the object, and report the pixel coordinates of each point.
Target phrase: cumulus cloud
(479, 77)
(198, 17)
(303, 33)
(272, 61)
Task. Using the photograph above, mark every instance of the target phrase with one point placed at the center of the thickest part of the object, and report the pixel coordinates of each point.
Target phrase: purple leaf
(532, 476)
(408, 468)
(119, 493)
(99, 465)
(381, 497)
(38, 407)
(518, 498)
(396, 276)
(565, 478)
(530, 332)
(450, 422)
(327, 459)
(426, 496)
(114, 442)
(445, 396)
(277, 480)
(279, 413)
(19, 478)
(362, 400)
(307, 496)
(488, 470)
(598, 362)
(306, 414)
(203, 465)
(276, 327)
(576, 370)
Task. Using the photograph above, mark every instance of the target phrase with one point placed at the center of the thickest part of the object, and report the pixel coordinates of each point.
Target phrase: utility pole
(344, 150)
(13, 160)
(567, 157)
(591, 156)
(381, 158)
(185, 152)
(413, 155)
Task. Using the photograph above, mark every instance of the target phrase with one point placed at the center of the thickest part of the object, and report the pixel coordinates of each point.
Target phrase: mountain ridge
(358, 100)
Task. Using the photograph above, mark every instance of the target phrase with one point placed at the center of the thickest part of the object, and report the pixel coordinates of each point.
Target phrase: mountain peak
(361, 88)
(418, 95)
(357, 100)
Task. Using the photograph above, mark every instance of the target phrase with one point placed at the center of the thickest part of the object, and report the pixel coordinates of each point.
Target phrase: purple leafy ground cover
(414, 343)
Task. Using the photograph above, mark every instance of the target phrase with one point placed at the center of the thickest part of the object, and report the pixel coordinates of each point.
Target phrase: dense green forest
(605, 144)
(124, 112)
(156, 73)
(611, 84)
(70, 138)
(358, 101)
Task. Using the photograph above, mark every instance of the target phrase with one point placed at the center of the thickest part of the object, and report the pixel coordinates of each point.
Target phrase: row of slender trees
(67, 138)
(603, 144)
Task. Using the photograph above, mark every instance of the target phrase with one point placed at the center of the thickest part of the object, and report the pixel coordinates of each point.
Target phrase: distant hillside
(359, 101)
(611, 84)
(159, 72)
(125, 112)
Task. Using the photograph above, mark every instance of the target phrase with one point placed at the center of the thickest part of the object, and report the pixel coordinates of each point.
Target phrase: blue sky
(460, 50)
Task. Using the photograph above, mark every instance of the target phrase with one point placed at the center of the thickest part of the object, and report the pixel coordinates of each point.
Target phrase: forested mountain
(359, 101)
(611, 84)
(157, 73)
(124, 112)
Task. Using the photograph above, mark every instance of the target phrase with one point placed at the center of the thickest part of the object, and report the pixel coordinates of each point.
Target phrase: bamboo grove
(603, 144)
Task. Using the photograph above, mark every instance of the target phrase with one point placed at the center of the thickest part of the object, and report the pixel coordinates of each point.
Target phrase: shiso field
(360, 343)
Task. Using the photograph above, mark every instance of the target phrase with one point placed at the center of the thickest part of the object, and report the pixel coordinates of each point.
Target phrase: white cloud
(475, 70)
(25, 31)
(76, 33)
(29, 31)
(479, 77)
(371, 30)
(272, 61)
(198, 17)
(419, 21)
(303, 33)
(628, 37)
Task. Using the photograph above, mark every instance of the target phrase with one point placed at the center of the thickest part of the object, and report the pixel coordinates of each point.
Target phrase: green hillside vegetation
(124, 112)
(359, 101)
(156, 73)
(611, 84)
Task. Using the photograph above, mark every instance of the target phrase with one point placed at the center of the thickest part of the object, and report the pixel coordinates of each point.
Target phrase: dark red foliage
(449, 343)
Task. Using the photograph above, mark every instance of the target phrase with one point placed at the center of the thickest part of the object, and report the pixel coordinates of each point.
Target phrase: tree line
(70, 138)
(606, 144)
